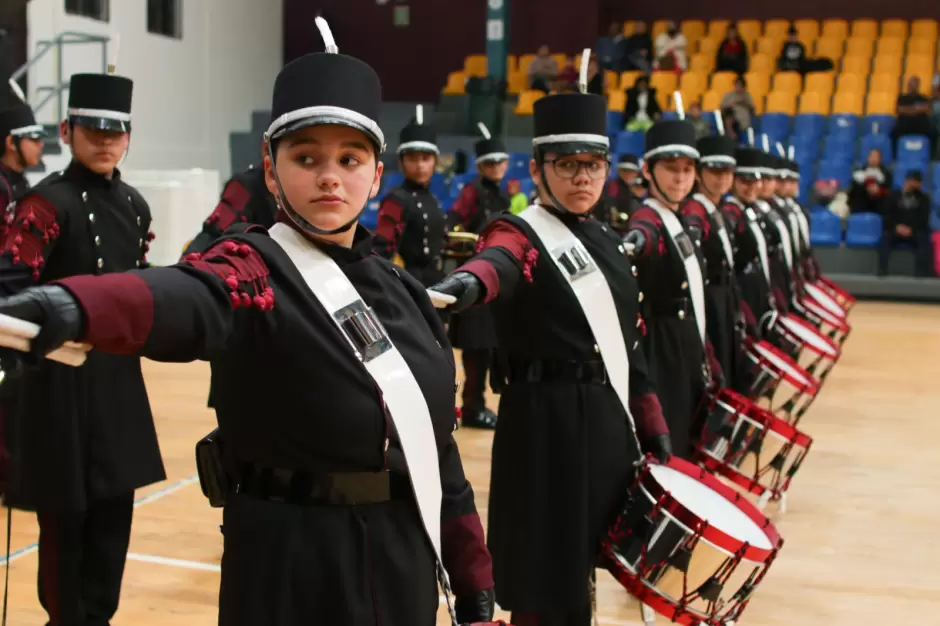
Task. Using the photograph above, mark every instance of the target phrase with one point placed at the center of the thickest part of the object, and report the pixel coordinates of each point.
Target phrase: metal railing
(62, 82)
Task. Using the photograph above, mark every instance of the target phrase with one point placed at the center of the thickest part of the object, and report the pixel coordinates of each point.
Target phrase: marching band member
(623, 193)
(775, 232)
(21, 149)
(81, 439)
(410, 221)
(245, 200)
(577, 371)
(707, 227)
(473, 331)
(349, 487)
(671, 280)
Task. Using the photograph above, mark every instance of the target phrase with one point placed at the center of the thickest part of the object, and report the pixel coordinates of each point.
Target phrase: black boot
(484, 418)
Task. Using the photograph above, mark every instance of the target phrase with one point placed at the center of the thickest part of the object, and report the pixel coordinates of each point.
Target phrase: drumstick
(441, 300)
(16, 334)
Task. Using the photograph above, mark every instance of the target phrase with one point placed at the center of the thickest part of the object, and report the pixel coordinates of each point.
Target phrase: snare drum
(778, 384)
(843, 297)
(826, 299)
(688, 546)
(833, 326)
(812, 350)
(750, 447)
(459, 247)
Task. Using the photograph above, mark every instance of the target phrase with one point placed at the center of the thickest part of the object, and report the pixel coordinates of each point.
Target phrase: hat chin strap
(556, 205)
(652, 170)
(298, 219)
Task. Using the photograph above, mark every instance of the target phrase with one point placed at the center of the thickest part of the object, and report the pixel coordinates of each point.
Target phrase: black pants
(81, 561)
(475, 365)
(921, 241)
(581, 617)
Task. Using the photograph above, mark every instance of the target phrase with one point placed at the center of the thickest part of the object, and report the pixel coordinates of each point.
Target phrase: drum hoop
(762, 417)
(731, 473)
(839, 291)
(660, 603)
(712, 534)
(833, 346)
(753, 348)
(813, 289)
(823, 313)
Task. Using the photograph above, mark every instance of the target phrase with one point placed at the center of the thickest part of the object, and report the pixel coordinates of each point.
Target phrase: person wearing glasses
(579, 408)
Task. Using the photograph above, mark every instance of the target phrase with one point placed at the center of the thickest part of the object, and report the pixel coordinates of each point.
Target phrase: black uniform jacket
(292, 395)
(85, 433)
(13, 185)
(245, 199)
(411, 225)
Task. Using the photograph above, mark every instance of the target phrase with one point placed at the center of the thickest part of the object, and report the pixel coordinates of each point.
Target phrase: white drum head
(808, 336)
(711, 506)
(823, 298)
(780, 364)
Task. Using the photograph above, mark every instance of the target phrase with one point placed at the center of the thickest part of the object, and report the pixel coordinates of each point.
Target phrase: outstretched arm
(505, 258)
(230, 210)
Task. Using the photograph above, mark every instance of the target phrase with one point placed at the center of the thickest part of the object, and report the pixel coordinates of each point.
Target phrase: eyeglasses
(569, 168)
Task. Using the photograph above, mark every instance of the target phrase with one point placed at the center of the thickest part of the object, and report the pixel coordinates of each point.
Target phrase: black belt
(584, 372)
(669, 307)
(305, 488)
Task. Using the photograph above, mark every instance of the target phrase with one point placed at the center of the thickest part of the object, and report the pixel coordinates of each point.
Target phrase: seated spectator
(740, 102)
(732, 53)
(566, 81)
(913, 116)
(642, 108)
(935, 108)
(595, 77)
(694, 115)
(731, 124)
(637, 50)
(870, 185)
(793, 53)
(609, 50)
(543, 70)
(935, 236)
(906, 217)
(518, 202)
(671, 50)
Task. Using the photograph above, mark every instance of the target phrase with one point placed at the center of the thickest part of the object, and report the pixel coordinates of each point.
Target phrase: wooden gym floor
(861, 531)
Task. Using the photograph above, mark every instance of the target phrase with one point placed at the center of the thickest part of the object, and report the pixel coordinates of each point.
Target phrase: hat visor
(327, 120)
(101, 123)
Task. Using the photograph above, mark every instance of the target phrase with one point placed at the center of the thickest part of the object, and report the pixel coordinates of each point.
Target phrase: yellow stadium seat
(836, 29)
(890, 45)
(456, 84)
(659, 27)
(921, 46)
(864, 28)
(617, 101)
(855, 64)
(749, 30)
(847, 103)
(475, 65)
(887, 63)
(918, 64)
(525, 60)
(852, 83)
(561, 60)
(664, 82)
(924, 29)
(526, 99)
(788, 82)
(703, 63)
(664, 98)
(881, 103)
(821, 83)
(611, 81)
(711, 100)
(925, 88)
(829, 48)
(894, 28)
(723, 82)
(776, 28)
(762, 62)
(628, 28)
(769, 45)
(781, 102)
(627, 79)
(693, 83)
(759, 102)
(693, 29)
(708, 46)
(517, 82)
(859, 46)
(807, 29)
(886, 82)
(512, 63)
(758, 83)
(717, 29)
(812, 102)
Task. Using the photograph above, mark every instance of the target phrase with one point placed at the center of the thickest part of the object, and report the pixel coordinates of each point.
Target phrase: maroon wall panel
(414, 61)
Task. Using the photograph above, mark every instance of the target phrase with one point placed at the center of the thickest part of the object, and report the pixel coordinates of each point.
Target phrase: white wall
(189, 93)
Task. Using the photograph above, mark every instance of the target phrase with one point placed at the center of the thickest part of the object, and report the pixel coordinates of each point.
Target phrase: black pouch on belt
(214, 479)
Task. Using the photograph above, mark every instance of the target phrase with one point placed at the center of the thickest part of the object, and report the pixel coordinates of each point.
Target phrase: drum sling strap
(722, 231)
(593, 294)
(373, 347)
(781, 227)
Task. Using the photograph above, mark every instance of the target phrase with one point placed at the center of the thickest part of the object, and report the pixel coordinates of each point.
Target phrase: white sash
(758, 234)
(722, 233)
(593, 294)
(794, 228)
(693, 271)
(774, 218)
(383, 361)
(804, 224)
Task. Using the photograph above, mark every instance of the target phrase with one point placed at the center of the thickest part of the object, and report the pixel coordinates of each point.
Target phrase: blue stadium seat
(935, 180)
(615, 120)
(809, 125)
(806, 183)
(391, 180)
(630, 142)
(775, 125)
(838, 147)
(816, 208)
(913, 150)
(439, 187)
(370, 217)
(526, 185)
(844, 125)
(879, 142)
(804, 148)
(899, 175)
(836, 169)
(863, 230)
(459, 180)
(883, 124)
(825, 229)
(670, 115)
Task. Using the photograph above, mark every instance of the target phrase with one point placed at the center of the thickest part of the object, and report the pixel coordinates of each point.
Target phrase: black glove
(464, 286)
(477, 607)
(637, 238)
(51, 307)
(660, 447)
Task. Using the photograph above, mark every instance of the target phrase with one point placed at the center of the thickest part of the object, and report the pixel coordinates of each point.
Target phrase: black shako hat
(628, 162)
(670, 139)
(571, 123)
(417, 136)
(717, 151)
(18, 121)
(750, 162)
(101, 101)
(327, 88)
(790, 169)
(489, 149)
